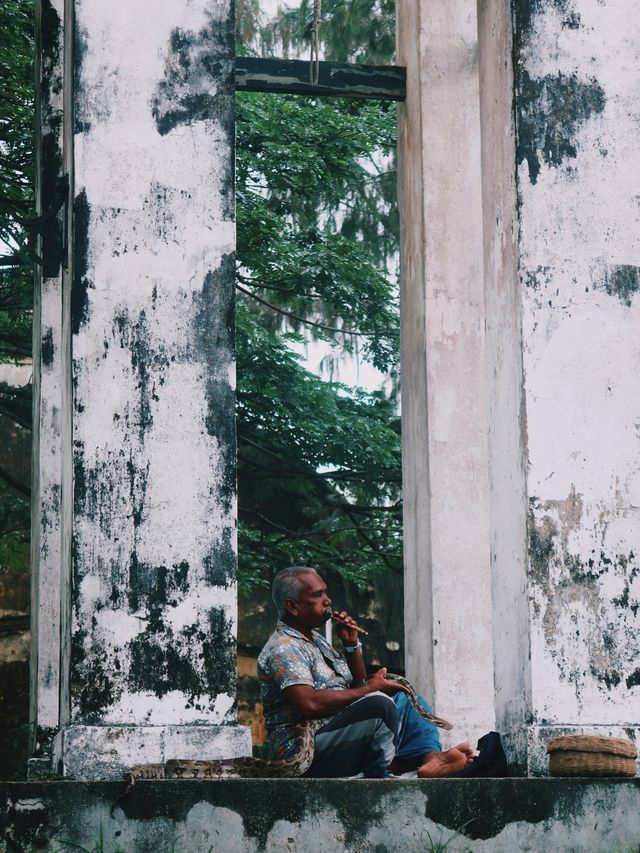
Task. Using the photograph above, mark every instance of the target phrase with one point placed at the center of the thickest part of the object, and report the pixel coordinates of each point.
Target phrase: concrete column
(448, 619)
(50, 489)
(578, 168)
(505, 393)
(147, 602)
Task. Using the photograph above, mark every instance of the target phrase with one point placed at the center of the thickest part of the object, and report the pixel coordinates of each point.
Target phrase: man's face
(310, 608)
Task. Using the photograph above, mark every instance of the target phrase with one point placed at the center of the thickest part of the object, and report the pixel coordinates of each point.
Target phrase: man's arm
(311, 704)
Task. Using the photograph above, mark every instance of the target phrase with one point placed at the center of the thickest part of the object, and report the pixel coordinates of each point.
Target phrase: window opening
(318, 460)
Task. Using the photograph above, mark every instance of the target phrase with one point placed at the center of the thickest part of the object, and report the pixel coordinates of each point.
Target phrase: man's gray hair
(287, 584)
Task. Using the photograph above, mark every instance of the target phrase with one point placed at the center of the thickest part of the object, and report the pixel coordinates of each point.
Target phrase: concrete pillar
(448, 619)
(505, 393)
(147, 600)
(51, 366)
(578, 156)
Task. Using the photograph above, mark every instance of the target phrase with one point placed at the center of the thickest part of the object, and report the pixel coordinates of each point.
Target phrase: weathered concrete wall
(146, 612)
(578, 170)
(324, 816)
(447, 587)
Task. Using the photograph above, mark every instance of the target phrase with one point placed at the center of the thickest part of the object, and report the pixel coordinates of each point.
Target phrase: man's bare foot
(450, 761)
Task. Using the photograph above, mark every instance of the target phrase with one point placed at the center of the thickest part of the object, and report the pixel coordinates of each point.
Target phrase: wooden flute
(333, 614)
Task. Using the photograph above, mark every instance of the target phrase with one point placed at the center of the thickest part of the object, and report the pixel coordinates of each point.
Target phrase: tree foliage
(351, 30)
(16, 176)
(319, 463)
(16, 282)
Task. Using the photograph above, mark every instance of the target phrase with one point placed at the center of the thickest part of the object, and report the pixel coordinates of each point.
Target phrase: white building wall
(578, 171)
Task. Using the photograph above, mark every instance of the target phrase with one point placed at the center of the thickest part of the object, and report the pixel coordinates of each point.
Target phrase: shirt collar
(293, 632)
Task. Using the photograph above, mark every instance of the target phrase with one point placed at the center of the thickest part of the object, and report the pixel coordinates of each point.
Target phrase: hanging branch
(302, 319)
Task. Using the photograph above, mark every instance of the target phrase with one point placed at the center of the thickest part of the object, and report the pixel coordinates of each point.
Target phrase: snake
(254, 768)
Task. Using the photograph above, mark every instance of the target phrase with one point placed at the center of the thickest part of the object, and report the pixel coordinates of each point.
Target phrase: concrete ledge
(328, 816)
(105, 752)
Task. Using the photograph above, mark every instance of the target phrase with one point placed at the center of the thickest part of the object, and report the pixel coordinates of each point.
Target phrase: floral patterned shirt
(290, 658)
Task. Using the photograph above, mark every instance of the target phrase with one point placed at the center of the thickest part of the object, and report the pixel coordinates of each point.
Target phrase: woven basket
(588, 755)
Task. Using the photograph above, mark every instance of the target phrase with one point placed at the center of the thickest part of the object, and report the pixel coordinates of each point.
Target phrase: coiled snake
(296, 765)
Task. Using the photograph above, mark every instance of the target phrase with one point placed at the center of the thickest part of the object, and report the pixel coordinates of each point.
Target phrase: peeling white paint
(580, 238)
(146, 708)
(154, 599)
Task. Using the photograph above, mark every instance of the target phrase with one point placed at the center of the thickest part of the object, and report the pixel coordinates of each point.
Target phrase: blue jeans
(416, 735)
(366, 736)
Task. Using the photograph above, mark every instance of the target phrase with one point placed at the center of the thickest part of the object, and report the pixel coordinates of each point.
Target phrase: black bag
(491, 761)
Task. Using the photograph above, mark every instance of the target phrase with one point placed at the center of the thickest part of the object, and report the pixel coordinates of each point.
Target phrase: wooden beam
(291, 76)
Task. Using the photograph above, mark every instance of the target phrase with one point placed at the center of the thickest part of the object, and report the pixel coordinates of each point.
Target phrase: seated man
(366, 728)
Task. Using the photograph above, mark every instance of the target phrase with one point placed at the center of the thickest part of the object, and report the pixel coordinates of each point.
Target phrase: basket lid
(593, 743)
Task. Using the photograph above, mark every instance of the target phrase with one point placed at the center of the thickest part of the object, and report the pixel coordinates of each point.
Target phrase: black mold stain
(142, 356)
(153, 588)
(572, 21)
(94, 495)
(194, 61)
(158, 208)
(162, 661)
(261, 805)
(634, 679)
(137, 490)
(622, 281)
(526, 10)
(470, 808)
(47, 348)
(91, 687)
(147, 360)
(550, 111)
(220, 562)
(49, 36)
(80, 489)
(623, 599)
(81, 124)
(537, 279)
(630, 570)
(51, 168)
(541, 546)
(50, 33)
(610, 678)
(219, 652)
(477, 821)
(357, 812)
(582, 572)
(215, 348)
(81, 284)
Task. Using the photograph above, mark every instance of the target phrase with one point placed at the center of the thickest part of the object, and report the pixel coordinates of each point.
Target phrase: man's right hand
(378, 681)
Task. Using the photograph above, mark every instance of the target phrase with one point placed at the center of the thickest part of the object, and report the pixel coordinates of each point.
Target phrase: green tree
(16, 287)
(351, 31)
(319, 463)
